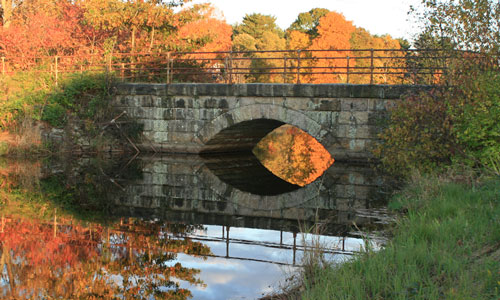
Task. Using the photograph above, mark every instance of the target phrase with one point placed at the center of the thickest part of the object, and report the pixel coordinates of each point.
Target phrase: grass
(446, 245)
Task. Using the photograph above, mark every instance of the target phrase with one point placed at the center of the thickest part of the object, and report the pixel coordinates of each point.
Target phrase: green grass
(446, 246)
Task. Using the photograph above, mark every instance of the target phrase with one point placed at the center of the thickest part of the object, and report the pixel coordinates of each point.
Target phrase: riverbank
(446, 245)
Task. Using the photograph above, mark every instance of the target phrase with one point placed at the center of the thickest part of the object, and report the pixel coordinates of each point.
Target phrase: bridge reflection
(238, 191)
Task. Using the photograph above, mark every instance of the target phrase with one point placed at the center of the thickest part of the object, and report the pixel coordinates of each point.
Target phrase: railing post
(171, 70)
(122, 71)
(3, 66)
(109, 62)
(371, 66)
(56, 69)
(230, 67)
(284, 69)
(168, 67)
(348, 69)
(226, 67)
(227, 241)
(55, 223)
(298, 66)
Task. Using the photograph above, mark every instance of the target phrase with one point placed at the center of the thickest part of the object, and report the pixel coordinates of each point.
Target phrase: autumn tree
(334, 33)
(208, 33)
(6, 13)
(42, 27)
(76, 261)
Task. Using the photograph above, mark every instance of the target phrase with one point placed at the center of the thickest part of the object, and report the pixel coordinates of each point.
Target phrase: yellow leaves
(298, 40)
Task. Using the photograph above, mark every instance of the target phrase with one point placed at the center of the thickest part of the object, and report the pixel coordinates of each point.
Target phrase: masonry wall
(189, 118)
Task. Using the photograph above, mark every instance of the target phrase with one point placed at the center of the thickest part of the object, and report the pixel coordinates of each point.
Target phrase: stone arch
(233, 129)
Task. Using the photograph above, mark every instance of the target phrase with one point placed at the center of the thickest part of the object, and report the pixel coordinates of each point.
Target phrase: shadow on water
(245, 172)
(210, 227)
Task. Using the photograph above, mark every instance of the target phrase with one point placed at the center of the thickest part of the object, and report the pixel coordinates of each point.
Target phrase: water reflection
(293, 155)
(62, 259)
(170, 227)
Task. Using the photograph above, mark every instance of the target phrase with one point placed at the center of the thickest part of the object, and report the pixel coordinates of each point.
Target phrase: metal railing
(363, 66)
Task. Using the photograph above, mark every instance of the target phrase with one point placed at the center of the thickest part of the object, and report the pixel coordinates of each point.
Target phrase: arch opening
(271, 157)
(240, 137)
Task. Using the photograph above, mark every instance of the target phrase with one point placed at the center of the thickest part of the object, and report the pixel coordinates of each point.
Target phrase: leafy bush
(476, 118)
(86, 95)
(54, 114)
(458, 123)
(33, 94)
(21, 95)
(419, 135)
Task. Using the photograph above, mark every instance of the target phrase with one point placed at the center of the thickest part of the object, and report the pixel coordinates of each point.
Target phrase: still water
(176, 227)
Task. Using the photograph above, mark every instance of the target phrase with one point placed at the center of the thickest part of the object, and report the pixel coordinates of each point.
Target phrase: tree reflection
(293, 155)
(62, 259)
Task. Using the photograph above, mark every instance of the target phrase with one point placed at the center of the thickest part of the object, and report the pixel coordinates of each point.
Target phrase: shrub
(454, 123)
(476, 118)
(83, 94)
(419, 135)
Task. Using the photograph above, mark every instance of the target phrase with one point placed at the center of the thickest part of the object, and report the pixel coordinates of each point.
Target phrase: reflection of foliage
(48, 255)
(293, 155)
(130, 260)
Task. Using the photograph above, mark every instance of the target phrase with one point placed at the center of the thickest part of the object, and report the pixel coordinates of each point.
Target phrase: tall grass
(446, 246)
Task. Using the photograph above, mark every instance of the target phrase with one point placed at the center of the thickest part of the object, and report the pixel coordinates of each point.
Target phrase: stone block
(353, 117)
(357, 144)
(354, 104)
(297, 103)
(354, 131)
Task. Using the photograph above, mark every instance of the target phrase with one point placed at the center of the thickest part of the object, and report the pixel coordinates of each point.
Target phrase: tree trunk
(7, 13)
(133, 39)
(152, 39)
(6, 259)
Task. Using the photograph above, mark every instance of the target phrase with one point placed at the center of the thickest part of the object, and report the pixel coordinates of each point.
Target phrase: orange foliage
(64, 27)
(43, 33)
(334, 32)
(207, 34)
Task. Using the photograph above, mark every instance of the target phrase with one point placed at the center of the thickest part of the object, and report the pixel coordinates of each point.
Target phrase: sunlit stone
(293, 155)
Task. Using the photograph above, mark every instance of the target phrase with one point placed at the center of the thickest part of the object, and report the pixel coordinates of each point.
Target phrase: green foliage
(465, 24)
(55, 115)
(32, 95)
(460, 122)
(256, 25)
(22, 94)
(84, 94)
(419, 135)
(445, 247)
(476, 118)
(308, 22)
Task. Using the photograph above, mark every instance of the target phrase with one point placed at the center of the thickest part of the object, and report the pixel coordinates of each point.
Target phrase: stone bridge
(204, 118)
